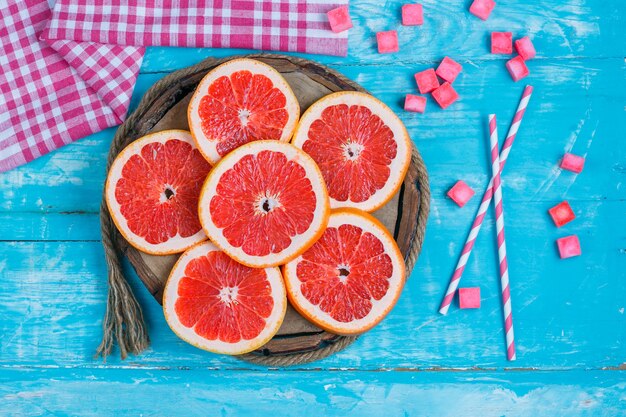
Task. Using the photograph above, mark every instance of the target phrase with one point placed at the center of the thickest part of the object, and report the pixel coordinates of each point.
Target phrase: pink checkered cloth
(278, 25)
(69, 72)
(53, 94)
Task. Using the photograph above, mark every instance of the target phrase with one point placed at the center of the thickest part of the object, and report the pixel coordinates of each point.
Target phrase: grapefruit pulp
(240, 101)
(152, 192)
(360, 145)
(264, 203)
(350, 278)
(219, 305)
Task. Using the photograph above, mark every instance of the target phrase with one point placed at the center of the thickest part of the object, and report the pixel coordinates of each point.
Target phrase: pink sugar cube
(415, 103)
(426, 81)
(387, 42)
(469, 297)
(569, 246)
(561, 214)
(501, 43)
(525, 48)
(448, 69)
(573, 163)
(445, 95)
(339, 19)
(482, 8)
(517, 68)
(412, 15)
(460, 193)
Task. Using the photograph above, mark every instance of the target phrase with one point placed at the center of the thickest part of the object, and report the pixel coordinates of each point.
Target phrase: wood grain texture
(106, 392)
(570, 314)
(558, 320)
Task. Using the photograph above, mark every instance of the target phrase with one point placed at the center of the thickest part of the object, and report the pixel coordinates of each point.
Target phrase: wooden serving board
(165, 107)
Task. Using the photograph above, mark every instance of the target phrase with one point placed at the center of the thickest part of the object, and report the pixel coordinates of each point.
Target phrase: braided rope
(123, 321)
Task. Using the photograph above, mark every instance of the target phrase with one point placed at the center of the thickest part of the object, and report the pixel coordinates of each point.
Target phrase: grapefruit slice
(219, 305)
(349, 280)
(152, 192)
(360, 145)
(264, 203)
(240, 101)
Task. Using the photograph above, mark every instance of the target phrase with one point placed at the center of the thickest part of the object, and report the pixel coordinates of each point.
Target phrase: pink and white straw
(484, 205)
(504, 266)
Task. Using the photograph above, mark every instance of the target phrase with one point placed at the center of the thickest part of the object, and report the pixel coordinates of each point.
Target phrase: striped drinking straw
(504, 266)
(484, 205)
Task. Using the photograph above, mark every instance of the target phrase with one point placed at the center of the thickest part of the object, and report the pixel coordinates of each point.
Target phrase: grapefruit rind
(207, 146)
(170, 295)
(399, 165)
(304, 241)
(380, 308)
(176, 244)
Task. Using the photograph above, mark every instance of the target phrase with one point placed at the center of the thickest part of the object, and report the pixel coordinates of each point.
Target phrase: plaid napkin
(278, 25)
(51, 95)
(69, 72)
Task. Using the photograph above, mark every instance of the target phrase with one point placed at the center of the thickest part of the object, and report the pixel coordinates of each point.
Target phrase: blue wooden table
(569, 314)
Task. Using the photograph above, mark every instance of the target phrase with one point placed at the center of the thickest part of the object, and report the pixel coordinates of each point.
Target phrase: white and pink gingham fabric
(69, 72)
(277, 25)
(46, 103)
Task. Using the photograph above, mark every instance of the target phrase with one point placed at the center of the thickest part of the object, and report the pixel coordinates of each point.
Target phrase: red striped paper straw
(504, 266)
(484, 204)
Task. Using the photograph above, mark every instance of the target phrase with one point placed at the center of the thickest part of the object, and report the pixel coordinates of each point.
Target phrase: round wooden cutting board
(165, 107)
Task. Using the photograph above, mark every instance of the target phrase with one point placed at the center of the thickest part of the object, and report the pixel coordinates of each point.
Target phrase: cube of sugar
(339, 19)
(412, 14)
(517, 68)
(482, 8)
(426, 81)
(525, 48)
(445, 95)
(561, 214)
(501, 43)
(469, 297)
(573, 163)
(387, 42)
(460, 193)
(415, 103)
(448, 69)
(569, 246)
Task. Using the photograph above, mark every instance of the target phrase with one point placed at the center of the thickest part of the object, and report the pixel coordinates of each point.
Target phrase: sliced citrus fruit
(350, 278)
(240, 101)
(152, 192)
(219, 305)
(360, 145)
(264, 203)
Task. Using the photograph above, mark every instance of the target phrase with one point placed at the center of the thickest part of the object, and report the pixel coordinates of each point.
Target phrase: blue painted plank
(69, 179)
(35, 226)
(568, 313)
(99, 392)
(574, 102)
